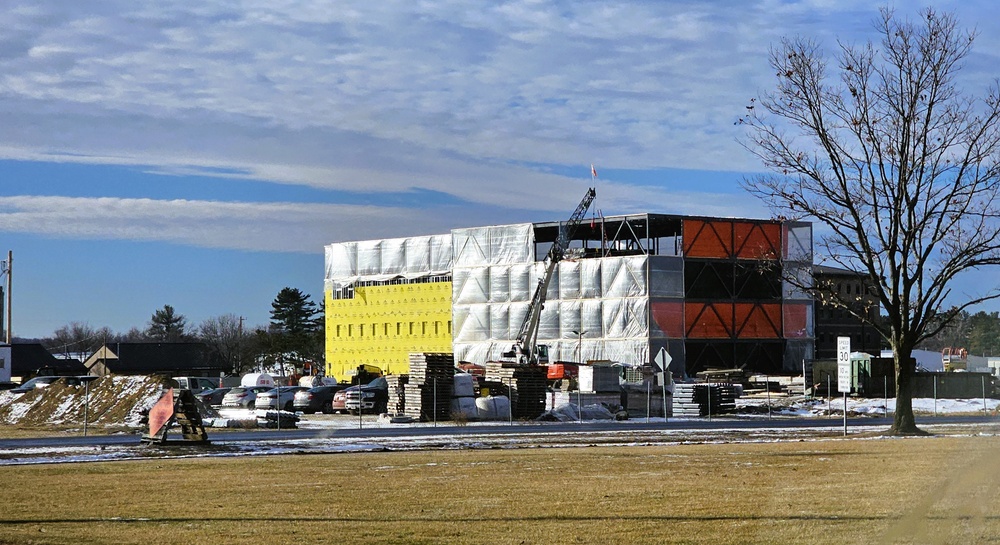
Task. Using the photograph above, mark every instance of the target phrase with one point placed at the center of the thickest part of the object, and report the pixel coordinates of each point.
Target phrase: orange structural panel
(758, 320)
(708, 238)
(669, 315)
(708, 320)
(723, 239)
(796, 319)
(756, 240)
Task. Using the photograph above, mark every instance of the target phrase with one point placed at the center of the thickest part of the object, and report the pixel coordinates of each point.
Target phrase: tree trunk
(903, 422)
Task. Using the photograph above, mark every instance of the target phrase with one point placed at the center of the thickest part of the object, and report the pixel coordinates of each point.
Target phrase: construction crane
(526, 349)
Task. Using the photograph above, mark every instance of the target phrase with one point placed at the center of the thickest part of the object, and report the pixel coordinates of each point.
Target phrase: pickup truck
(197, 384)
(370, 398)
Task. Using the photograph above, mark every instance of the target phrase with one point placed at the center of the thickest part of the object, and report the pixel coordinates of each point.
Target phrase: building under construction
(709, 291)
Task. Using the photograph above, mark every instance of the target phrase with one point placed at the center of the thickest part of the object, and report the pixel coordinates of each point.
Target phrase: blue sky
(200, 154)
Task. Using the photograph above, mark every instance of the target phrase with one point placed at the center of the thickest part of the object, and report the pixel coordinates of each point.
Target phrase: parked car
(243, 396)
(339, 403)
(280, 397)
(37, 382)
(317, 399)
(42, 382)
(370, 398)
(213, 396)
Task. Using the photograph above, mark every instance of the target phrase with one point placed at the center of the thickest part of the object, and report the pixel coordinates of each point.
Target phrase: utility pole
(6, 269)
(239, 349)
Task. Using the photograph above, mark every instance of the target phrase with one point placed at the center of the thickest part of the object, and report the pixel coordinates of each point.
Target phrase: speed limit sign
(844, 364)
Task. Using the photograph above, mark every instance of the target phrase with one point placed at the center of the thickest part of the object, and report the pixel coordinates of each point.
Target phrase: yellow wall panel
(383, 324)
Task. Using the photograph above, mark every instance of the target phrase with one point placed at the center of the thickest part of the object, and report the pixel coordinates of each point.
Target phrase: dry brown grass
(915, 490)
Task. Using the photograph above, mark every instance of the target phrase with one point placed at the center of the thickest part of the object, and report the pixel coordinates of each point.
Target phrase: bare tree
(225, 335)
(77, 338)
(896, 166)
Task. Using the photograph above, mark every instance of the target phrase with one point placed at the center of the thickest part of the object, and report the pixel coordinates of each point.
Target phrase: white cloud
(449, 96)
(282, 227)
(291, 227)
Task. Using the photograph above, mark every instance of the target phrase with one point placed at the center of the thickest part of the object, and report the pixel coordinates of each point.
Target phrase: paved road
(518, 429)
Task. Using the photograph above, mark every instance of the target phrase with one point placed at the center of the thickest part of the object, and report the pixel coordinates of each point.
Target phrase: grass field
(838, 491)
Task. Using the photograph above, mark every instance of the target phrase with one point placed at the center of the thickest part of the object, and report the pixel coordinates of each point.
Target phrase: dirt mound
(111, 402)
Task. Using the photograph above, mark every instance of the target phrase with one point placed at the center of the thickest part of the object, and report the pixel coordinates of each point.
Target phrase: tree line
(978, 333)
(292, 341)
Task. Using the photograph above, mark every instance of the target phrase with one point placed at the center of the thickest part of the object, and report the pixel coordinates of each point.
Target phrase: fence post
(935, 395)
(708, 391)
(649, 394)
(767, 388)
(985, 412)
(829, 397)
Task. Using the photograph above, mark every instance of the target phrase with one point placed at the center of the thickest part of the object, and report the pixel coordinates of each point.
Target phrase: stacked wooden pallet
(526, 383)
(397, 395)
(703, 399)
(427, 394)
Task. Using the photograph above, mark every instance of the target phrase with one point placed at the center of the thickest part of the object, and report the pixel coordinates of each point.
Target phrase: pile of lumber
(526, 384)
(427, 394)
(703, 399)
(397, 393)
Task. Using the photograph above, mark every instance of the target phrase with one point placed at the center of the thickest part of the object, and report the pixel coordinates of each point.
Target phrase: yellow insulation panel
(383, 324)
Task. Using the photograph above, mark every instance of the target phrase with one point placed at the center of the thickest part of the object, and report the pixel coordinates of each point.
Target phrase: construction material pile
(397, 393)
(704, 399)
(526, 384)
(428, 391)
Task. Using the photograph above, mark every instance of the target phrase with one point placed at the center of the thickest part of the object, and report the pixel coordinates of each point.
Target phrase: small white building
(4, 363)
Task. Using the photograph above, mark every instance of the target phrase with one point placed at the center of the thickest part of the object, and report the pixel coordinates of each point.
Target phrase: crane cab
(542, 354)
(538, 356)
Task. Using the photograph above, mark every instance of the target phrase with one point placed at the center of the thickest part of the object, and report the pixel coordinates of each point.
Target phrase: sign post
(844, 371)
(660, 364)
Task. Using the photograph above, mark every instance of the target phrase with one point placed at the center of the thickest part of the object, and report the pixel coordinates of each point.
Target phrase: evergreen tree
(293, 313)
(166, 325)
(296, 332)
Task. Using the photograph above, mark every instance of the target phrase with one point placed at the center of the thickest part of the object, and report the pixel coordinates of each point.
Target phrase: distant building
(833, 322)
(709, 291)
(163, 358)
(29, 360)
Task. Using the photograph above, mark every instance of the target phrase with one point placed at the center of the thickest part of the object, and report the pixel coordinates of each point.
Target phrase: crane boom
(526, 348)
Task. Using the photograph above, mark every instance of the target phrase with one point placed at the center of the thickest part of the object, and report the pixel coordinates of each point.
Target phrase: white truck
(197, 384)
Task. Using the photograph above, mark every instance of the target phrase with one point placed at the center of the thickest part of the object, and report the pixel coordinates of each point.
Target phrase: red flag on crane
(593, 171)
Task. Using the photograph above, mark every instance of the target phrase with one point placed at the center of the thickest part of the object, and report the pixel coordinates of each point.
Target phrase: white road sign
(844, 364)
(662, 360)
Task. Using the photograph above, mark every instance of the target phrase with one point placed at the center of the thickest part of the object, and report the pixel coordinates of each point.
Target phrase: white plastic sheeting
(600, 279)
(605, 299)
(666, 277)
(626, 351)
(494, 245)
(381, 260)
(795, 276)
(799, 242)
